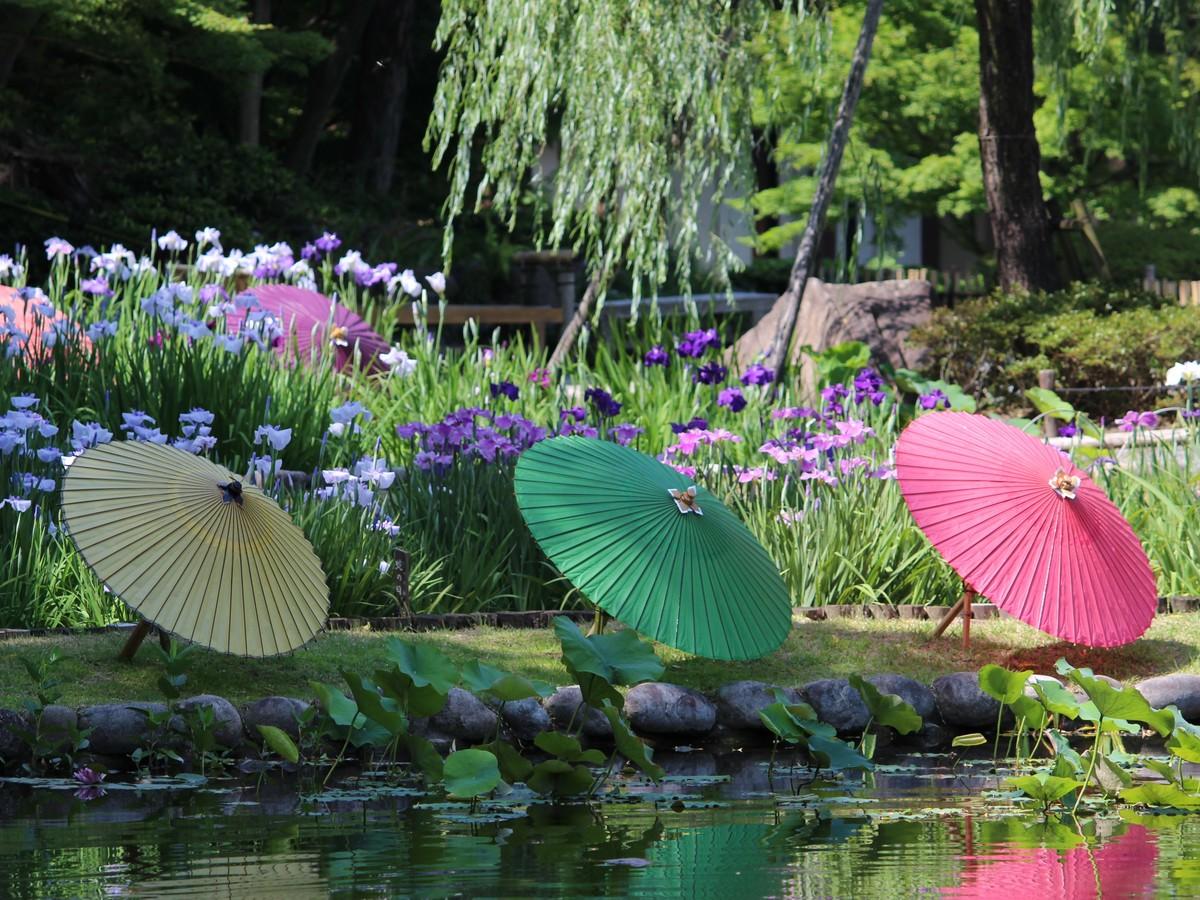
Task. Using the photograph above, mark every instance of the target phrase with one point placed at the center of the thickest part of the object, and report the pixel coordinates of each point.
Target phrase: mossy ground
(91, 673)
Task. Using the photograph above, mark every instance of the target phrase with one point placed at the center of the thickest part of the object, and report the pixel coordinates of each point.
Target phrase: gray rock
(118, 728)
(1045, 679)
(443, 743)
(526, 719)
(1182, 691)
(909, 690)
(12, 748)
(739, 703)
(227, 721)
(962, 703)
(660, 708)
(464, 717)
(931, 736)
(561, 706)
(58, 723)
(838, 704)
(281, 712)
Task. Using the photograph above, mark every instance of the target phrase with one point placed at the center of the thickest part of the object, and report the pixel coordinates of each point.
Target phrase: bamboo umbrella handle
(135, 640)
(949, 617)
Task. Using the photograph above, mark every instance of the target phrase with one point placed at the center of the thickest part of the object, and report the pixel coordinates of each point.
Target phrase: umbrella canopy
(653, 550)
(22, 322)
(316, 323)
(193, 550)
(1025, 528)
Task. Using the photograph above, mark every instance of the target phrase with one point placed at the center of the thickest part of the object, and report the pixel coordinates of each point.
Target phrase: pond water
(921, 826)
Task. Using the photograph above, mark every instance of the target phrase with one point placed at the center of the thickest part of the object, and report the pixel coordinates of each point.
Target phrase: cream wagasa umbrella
(183, 542)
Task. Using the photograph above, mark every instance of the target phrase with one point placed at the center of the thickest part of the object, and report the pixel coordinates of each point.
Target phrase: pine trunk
(250, 98)
(383, 86)
(324, 83)
(1008, 147)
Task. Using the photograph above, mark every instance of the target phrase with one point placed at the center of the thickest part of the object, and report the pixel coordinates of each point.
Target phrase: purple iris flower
(1067, 430)
(732, 398)
(935, 399)
(681, 427)
(1134, 419)
(656, 356)
(507, 388)
(328, 242)
(309, 251)
(694, 343)
(868, 386)
(758, 374)
(603, 402)
(411, 430)
(710, 373)
(96, 286)
(574, 413)
(625, 433)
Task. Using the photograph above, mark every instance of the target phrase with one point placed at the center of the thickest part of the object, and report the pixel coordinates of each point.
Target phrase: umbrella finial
(686, 500)
(232, 492)
(1064, 485)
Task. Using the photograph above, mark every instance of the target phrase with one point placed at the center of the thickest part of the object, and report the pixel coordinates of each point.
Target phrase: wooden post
(1049, 423)
(403, 597)
(135, 640)
(961, 608)
(948, 618)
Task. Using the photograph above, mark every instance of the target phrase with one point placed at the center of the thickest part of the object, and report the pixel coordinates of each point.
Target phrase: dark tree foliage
(270, 119)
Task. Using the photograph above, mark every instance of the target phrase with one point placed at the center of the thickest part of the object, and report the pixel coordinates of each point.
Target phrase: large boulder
(279, 712)
(838, 704)
(227, 721)
(1181, 691)
(881, 314)
(563, 708)
(13, 748)
(525, 719)
(464, 717)
(911, 691)
(962, 703)
(739, 703)
(117, 729)
(660, 708)
(59, 723)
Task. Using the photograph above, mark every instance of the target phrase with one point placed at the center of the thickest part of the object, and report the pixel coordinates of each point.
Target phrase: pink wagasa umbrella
(1025, 528)
(1123, 867)
(22, 323)
(316, 323)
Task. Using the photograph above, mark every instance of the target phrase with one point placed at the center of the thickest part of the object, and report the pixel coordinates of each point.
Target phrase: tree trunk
(19, 23)
(1008, 146)
(766, 174)
(250, 99)
(787, 307)
(324, 82)
(572, 328)
(379, 113)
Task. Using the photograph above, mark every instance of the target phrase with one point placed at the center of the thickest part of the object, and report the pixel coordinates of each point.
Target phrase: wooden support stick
(135, 640)
(949, 617)
(961, 608)
(164, 640)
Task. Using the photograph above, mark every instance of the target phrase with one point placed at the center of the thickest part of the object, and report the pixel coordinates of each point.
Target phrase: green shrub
(1090, 335)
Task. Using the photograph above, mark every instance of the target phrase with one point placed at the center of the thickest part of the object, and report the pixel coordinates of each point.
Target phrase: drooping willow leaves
(646, 101)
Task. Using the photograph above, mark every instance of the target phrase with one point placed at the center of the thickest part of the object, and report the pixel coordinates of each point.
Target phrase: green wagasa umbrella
(652, 549)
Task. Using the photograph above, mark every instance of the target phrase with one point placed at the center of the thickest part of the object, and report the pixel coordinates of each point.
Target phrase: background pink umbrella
(316, 323)
(1026, 528)
(27, 320)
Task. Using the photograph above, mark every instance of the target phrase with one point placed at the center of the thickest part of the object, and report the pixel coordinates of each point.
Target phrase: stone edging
(542, 618)
(666, 715)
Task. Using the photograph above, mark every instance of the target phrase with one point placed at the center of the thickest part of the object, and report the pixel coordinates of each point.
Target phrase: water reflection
(910, 833)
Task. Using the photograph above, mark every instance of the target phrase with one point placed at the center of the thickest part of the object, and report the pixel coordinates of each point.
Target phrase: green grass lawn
(91, 673)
